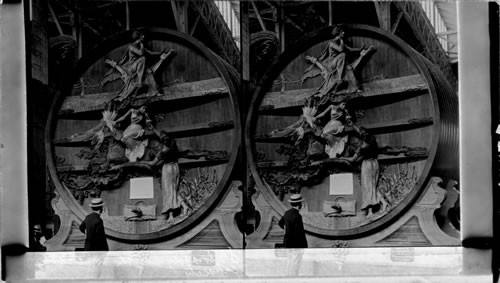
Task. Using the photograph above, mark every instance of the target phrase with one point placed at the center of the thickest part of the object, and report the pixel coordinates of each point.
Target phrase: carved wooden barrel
(189, 94)
(402, 100)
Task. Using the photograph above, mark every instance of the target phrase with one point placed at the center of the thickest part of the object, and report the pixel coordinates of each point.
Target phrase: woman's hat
(97, 202)
(295, 198)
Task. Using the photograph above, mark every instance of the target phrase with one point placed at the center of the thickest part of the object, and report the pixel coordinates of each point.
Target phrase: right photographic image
(352, 131)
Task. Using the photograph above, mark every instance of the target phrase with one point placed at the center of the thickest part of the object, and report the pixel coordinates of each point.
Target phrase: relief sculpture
(332, 154)
(132, 70)
(132, 139)
(332, 65)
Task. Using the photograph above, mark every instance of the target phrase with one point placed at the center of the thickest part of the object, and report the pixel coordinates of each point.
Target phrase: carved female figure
(133, 134)
(366, 152)
(332, 65)
(170, 175)
(132, 68)
(333, 132)
(167, 156)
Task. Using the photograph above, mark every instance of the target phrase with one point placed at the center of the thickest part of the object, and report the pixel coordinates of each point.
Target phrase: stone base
(416, 227)
(216, 231)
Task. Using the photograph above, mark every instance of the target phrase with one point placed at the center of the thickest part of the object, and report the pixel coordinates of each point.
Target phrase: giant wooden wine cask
(196, 105)
(403, 101)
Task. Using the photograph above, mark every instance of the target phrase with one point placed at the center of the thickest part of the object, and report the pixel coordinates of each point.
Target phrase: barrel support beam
(396, 22)
(383, 9)
(180, 11)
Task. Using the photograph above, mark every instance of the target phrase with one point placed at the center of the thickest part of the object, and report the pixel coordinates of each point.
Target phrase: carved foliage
(396, 186)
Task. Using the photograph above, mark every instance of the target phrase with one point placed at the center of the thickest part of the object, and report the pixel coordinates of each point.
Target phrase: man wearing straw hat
(93, 227)
(295, 237)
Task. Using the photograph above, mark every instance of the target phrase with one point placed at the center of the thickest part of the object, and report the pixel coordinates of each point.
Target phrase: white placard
(341, 184)
(141, 188)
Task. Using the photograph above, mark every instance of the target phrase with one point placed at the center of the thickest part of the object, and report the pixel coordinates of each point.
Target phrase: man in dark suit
(295, 237)
(93, 228)
(38, 239)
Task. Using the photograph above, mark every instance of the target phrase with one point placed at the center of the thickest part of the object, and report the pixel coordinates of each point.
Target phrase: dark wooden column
(245, 41)
(38, 100)
(180, 12)
(245, 98)
(280, 31)
(383, 14)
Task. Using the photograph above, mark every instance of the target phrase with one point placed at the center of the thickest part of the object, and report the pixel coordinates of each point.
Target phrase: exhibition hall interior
(194, 129)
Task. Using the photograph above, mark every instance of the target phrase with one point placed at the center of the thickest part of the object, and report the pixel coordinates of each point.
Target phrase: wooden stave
(226, 72)
(448, 147)
(432, 165)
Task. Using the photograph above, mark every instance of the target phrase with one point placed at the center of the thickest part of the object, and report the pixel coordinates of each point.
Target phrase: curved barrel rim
(82, 66)
(280, 64)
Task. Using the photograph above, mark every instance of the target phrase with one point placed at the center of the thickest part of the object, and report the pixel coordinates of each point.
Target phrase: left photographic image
(142, 131)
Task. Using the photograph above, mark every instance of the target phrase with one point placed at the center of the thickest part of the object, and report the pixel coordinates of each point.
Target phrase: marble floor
(405, 264)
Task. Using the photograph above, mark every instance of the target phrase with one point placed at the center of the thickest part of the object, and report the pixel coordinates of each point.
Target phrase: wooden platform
(211, 88)
(397, 88)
